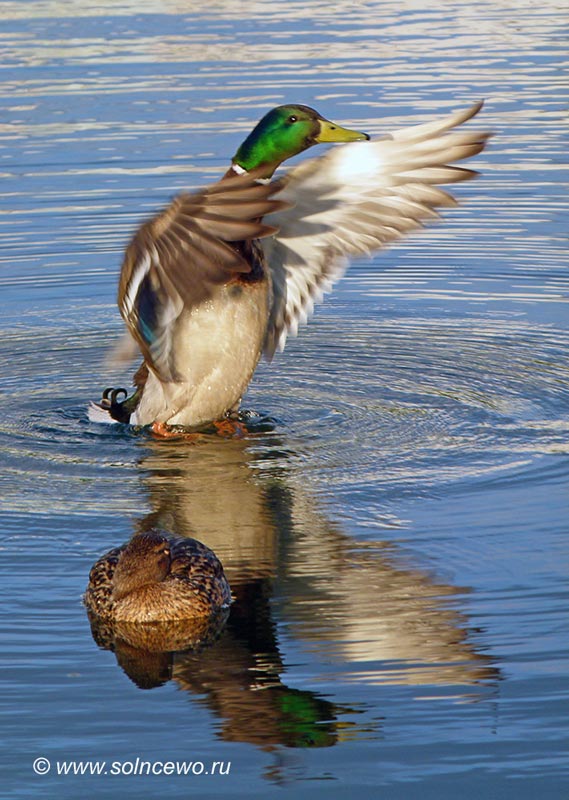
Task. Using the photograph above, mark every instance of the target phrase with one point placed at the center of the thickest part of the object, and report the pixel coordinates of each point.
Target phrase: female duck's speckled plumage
(225, 274)
(157, 578)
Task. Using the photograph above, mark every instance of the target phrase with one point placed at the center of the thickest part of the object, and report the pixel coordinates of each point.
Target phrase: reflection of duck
(344, 602)
(144, 650)
(155, 578)
(209, 492)
(236, 674)
(378, 619)
(223, 275)
(383, 620)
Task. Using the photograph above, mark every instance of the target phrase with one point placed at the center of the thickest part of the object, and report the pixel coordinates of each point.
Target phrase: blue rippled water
(395, 526)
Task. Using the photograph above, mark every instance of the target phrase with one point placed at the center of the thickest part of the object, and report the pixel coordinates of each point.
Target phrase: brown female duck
(157, 578)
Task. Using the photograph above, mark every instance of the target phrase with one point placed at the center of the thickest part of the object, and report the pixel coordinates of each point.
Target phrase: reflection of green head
(305, 719)
(286, 131)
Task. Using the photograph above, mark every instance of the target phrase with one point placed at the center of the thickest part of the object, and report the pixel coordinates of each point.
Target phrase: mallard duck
(223, 275)
(157, 578)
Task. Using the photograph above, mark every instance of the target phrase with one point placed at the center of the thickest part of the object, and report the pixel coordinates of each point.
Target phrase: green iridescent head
(286, 131)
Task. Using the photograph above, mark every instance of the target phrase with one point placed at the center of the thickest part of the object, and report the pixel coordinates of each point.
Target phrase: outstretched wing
(354, 200)
(177, 258)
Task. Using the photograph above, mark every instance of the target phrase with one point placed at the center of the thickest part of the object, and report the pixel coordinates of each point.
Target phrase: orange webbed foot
(161, 430)
(230, 429)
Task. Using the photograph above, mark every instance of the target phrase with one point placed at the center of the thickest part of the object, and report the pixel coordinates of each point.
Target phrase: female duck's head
(143, 562)
(284, 132)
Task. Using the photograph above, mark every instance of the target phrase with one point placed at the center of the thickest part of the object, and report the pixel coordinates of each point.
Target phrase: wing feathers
(354, 200)
(178, 257)
(431, 129)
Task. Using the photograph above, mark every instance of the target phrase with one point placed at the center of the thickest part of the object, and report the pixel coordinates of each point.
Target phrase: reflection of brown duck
(145, 650)
(155, 578)
(235, 674)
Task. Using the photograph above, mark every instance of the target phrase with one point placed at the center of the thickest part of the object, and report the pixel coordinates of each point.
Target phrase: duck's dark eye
(292, 118)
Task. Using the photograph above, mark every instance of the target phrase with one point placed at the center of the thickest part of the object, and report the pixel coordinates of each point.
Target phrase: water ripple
(426, 404)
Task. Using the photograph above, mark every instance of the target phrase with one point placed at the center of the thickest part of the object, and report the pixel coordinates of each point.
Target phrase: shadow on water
(350, 602)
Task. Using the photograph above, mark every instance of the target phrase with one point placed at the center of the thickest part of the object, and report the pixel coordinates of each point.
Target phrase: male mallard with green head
(224, 274)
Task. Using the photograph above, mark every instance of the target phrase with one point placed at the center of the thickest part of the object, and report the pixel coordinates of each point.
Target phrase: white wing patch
(139, 273)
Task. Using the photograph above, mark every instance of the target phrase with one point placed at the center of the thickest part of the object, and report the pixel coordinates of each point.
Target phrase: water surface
(395, 527)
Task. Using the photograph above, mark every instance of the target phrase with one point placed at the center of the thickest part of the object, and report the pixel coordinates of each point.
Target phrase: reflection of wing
(386, 622)
(178, 257)
(354, 200)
